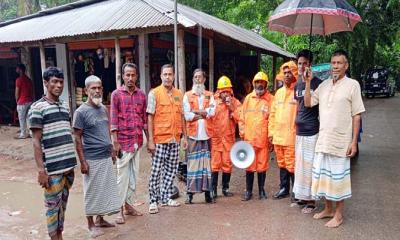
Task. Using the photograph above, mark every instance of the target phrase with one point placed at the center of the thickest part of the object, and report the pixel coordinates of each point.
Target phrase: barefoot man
(340, 108)
(93, 145)
(53, 150)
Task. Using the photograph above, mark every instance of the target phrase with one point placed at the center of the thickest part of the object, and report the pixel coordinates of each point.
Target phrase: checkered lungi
(164, 166)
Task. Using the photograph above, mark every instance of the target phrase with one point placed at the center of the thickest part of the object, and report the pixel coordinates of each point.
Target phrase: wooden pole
(274, 72)
(199, 47)
(117, 63)
(181, 61)
(211, 64)
(176, 66)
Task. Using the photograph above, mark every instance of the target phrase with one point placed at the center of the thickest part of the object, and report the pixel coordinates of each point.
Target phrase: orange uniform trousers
(221, 160)
(261, 161)
(285, 156)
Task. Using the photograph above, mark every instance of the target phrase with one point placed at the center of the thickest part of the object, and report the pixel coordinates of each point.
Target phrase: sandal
(171, 203)
(308, 208)
(153, 209)
(120, 220)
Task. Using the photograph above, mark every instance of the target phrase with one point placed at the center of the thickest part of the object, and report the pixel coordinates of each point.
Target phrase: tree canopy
(374, 42)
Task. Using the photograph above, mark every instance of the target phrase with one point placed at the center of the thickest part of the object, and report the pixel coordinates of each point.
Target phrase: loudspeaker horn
(242, 154)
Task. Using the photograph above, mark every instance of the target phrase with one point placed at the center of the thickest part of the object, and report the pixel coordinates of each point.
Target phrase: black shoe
(208, 198)
(282, 193)
(189, 198)
(249, 186)
(261, 182)
(226, 178)
(214, 184)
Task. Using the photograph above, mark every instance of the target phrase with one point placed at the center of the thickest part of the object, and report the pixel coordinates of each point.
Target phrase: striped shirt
(57, 145)
(128, 117)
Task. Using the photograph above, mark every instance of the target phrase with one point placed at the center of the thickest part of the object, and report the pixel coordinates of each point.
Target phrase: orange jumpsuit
(253, 128)
(282, 126)
(223, 134)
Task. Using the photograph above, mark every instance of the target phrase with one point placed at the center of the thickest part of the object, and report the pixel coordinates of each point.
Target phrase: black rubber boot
(189, 198)
(249, 186)
(261, 182)
(214, 184)
(284, 185)
(291, 180)
(226, 178)
(207, 197)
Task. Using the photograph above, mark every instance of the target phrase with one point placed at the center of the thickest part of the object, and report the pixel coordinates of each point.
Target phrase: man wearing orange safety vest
(253, 128)
(282, 128)
(165, 126)
(198, 107)
(223, 134)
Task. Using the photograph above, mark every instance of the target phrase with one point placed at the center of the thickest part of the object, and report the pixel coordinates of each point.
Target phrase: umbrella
(322, 17)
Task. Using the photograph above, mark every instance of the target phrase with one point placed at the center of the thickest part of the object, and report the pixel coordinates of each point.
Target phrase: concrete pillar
(42, 63)
(117, 63)
(62, 62)
(144, 66)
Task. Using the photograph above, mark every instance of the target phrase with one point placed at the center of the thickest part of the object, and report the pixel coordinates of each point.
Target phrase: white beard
(198, 88)
(97, 101)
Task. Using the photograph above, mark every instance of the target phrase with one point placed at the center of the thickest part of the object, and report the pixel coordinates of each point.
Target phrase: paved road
(372, 213)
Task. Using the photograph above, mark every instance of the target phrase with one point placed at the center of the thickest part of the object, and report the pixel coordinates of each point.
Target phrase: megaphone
(242, 154)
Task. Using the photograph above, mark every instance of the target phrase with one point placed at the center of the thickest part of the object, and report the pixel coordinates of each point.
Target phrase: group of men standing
(312, 143)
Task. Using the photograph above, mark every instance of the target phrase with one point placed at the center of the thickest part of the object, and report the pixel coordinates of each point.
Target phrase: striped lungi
(331, 177)
(305, 147)
(198, 166)
(100, 188)
(56, 199)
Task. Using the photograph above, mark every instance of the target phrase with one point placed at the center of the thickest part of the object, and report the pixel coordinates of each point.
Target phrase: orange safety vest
(282, 126)
(254, 115)
(167, 122)
(193, 98)
(223, 124)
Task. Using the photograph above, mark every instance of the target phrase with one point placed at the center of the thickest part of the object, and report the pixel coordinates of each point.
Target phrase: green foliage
(375, 41)
(10, 9)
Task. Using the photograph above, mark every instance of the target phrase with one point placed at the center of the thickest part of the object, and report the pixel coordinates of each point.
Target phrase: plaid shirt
(128, 117)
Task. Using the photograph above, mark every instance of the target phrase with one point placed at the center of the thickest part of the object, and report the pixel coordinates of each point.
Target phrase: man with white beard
(94, 148)
(198, 108)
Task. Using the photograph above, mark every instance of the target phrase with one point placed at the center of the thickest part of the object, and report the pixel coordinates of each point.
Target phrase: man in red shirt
(24, 98)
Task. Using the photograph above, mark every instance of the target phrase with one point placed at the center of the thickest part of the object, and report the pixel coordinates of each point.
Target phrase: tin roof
(87, 17)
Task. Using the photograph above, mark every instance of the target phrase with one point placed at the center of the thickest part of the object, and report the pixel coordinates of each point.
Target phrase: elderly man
(307, 127)
(166, 125)
(223, 130)
(53, 150)
(282, 128)
(94, 148)
(198, 108)
(128, 122)
(253, 128)
(340, 108)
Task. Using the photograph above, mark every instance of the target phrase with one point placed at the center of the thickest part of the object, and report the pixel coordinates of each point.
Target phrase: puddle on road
(28, 198)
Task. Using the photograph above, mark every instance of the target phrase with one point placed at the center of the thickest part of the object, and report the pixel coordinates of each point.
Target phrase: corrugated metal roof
(96, 16)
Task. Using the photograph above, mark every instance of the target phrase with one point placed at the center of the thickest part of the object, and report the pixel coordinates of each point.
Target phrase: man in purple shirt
(128, 121)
